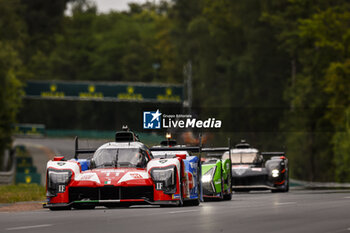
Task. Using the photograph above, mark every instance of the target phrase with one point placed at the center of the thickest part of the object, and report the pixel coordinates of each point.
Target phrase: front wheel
(194, 202)
(228, 197)
(286, 186)
(181, 201)
(282, 190)
(222, 195)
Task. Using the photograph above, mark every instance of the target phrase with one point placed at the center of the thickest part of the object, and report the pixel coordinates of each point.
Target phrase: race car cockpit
(244, 157)
(119, 157)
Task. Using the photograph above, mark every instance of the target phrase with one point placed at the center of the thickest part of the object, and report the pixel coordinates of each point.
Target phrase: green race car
(216, 178)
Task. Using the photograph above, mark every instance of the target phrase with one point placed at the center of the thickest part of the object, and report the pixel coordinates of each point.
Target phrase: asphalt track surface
(322, 211)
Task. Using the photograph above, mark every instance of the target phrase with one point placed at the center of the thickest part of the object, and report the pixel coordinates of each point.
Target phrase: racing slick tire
(194, 202)
(228, 197)
(222, 195)
(181, 201)
(285, 187)
(282, 190)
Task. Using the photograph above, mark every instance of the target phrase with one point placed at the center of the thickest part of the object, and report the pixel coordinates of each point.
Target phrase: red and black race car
(120, 173)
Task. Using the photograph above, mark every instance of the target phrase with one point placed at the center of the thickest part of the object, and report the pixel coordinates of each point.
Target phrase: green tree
(312, 33)
(12, 34)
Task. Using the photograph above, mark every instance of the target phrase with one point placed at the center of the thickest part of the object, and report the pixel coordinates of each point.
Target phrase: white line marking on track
(182, 211)
(347, 197)
(28, 227)
(285, 203)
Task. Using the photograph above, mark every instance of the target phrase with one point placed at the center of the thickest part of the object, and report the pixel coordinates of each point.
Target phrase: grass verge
(21, 192)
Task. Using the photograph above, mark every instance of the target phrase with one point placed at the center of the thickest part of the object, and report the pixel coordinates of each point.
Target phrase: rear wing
(78, 151)
(282, 155)
(194, 149)
(120, 136)
(218, 151)
(273, 153)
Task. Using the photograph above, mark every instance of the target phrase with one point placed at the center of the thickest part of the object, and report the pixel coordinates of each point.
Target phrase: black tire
(194, 202)
(228, 197)
(286, 187)
(181, 201)
(282, 190)
(287, 180)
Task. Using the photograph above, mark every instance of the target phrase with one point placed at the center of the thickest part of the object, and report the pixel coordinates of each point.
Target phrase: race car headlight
(166, 176)
(57, 181)
(275, 173)
(59, 177)
(208, 176)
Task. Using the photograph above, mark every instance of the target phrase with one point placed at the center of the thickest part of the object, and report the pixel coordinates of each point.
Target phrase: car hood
(207, 167)
(113, 176)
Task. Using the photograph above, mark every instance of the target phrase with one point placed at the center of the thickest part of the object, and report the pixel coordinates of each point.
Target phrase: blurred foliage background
(276, 71)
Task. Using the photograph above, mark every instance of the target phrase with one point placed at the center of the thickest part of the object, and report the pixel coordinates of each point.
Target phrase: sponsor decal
(163, 161)
(257, 169)
(87, 176)
(136, 175)
(218, 182)
(53, 93)
(130, 94)
(169, 96)
(91, 93)
(176, 196)
(109, 172)
(107, 182)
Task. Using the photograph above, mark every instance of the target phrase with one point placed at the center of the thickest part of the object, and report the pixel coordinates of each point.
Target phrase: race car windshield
(124, 157)
(163, 156)
(239, 158)
(210, 161)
